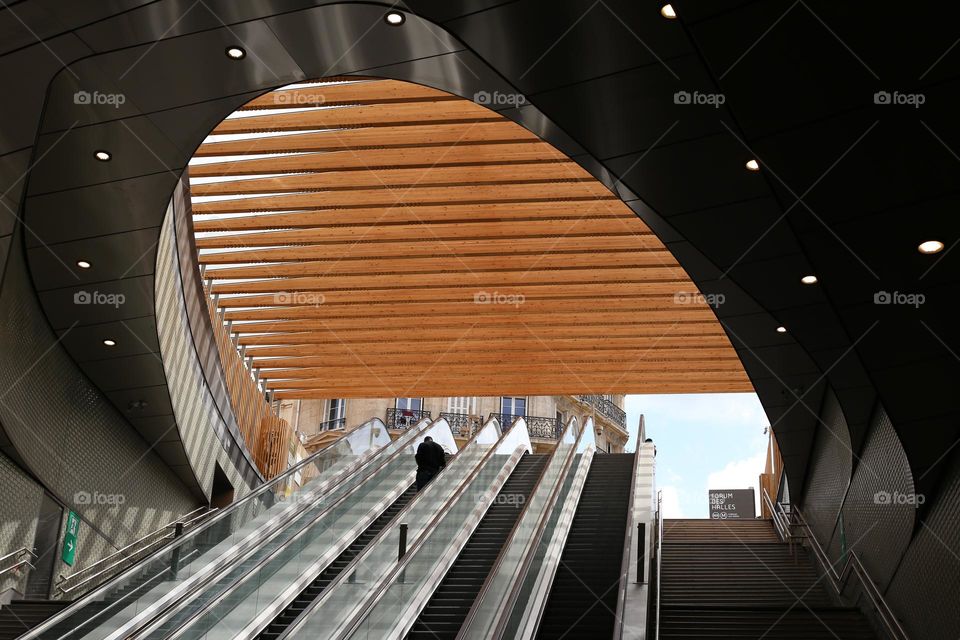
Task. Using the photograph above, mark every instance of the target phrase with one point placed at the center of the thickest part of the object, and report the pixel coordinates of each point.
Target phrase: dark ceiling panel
(144, 402)
(67, 161)
(645, 100)
(157, 428)
(127, 373)
(693, 175)
(761, 232)
(619, 35)
(321, 51)
(102, 302)
(103, 209)
(117, 256)
(133, 336)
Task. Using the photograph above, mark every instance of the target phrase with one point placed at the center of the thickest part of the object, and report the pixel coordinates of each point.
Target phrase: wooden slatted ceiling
(395, 240)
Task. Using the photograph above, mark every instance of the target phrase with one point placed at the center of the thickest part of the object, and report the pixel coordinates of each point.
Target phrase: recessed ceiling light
(753, 165)
(110, 343)
(781, 329)
(668, 12)
(102, 156)
(83, 264)
(236, 53)
(930, 246)
(395, 18)
(809, 279)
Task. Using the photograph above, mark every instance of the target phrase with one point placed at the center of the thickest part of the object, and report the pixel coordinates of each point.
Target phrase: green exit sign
(70, 539)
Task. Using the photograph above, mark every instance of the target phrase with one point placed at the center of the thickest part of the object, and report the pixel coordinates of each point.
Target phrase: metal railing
(655, 566)
(332, 425)
(462, 424)
(607, 409)
(537, 426)
(94, 574)
(628, 541)
(405, 418)
(12, 564)
(787, 517)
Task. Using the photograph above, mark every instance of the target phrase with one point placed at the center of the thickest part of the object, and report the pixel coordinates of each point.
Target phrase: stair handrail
(272, 484)
(124, 555)
(851, 566)
(627, 547)
(20, 560)
(658, 549)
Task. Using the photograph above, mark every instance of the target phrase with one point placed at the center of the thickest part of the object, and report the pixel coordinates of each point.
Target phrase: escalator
(583, 598)
(447, 608)
(312, 592)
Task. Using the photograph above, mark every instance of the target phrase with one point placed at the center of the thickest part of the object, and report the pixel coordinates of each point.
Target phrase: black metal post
(641, 547)
(175, 555)
(403, 541)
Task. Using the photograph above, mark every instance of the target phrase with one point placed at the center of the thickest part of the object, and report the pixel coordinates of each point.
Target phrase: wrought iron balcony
(607, 409)
(537, 426)
(404, 418)
(462, 424)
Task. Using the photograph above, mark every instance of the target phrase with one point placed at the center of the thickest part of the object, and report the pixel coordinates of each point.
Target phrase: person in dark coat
(431, 458)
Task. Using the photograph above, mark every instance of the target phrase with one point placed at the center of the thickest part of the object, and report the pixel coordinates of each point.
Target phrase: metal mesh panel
(70, 436)
(194, 406)
(925, 592)
(879, 511)
(830, 468)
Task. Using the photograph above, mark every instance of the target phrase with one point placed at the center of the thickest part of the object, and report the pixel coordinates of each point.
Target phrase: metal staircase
(451, 601)
(583, 598)
(735, 579)
(312, 592)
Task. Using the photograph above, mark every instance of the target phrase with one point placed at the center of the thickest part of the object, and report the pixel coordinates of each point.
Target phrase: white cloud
(671, 502)
(740, 474)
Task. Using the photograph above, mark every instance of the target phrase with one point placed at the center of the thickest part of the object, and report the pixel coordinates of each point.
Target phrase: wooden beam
(478, 281)
(563, 230)
(427, 135)
(512, 348)
(402, 356)
(399, 178)
(350, 249)
(444, 264)
(406, 214)
(479, 154)
(518, 319)
(461, 335)
(376, 115)
(541, 191)
(366, 92)
(582, 292)
(384, 312)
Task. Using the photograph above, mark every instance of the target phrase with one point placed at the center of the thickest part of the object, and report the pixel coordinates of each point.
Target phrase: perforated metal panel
(18, 513)
(879, 510)
(925, 591)
(195, 408)
(830, 468)
(70, 436)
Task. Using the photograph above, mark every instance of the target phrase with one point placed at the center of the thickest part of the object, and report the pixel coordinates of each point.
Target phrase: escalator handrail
(628, 547)
(481, 594)
(176, 606)
(280, 603)
(375, 595)
(570, 510)
(222, 513)
(266, 528)
(534, 543)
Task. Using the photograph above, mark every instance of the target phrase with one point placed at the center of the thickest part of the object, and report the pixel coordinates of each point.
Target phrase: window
(414, 404)
(462, 404)
(513, 406)
(336, 411)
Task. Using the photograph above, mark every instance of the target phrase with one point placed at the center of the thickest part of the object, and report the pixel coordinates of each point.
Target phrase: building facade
(545, 415)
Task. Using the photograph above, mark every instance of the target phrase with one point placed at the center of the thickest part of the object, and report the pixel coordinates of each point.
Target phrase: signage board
(69, 554)
(732, 504)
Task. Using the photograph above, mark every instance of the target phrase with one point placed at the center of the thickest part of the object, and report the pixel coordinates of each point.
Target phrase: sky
(709, 440)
